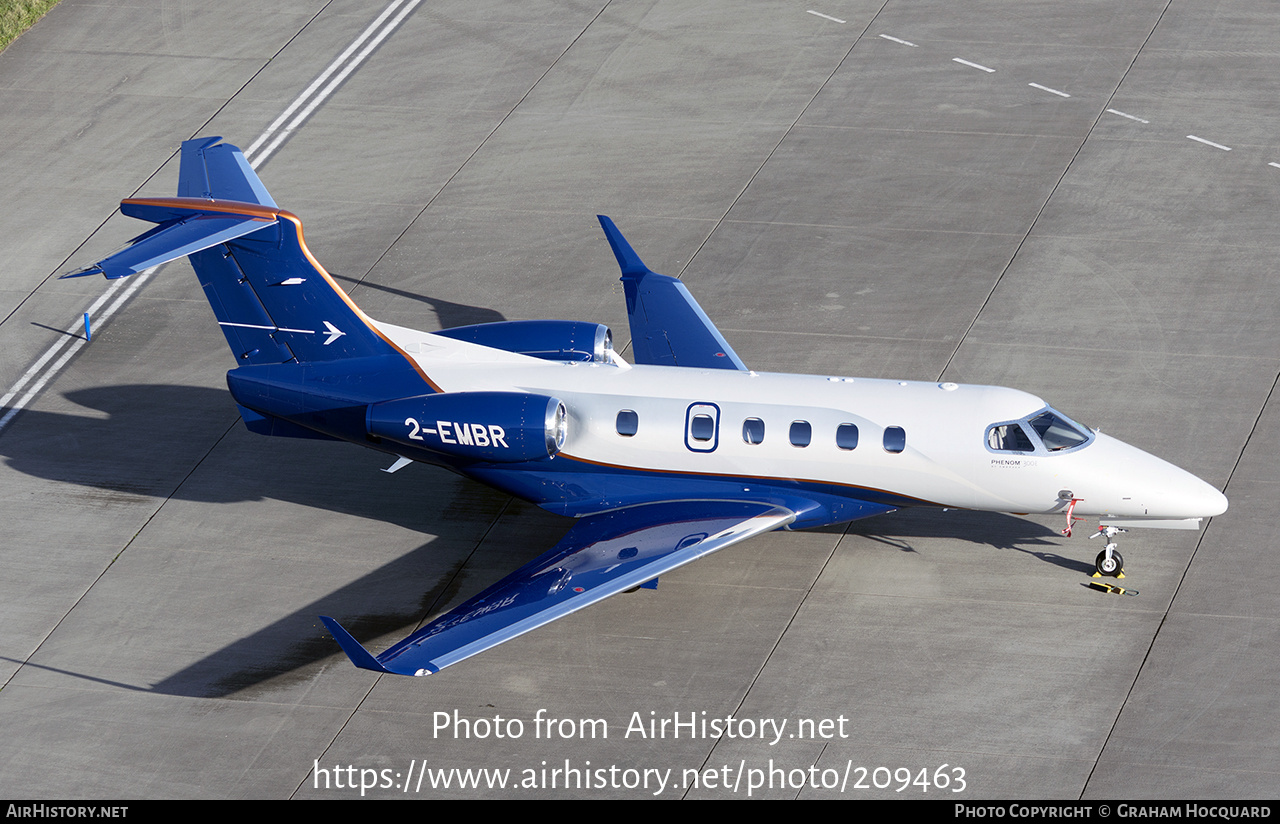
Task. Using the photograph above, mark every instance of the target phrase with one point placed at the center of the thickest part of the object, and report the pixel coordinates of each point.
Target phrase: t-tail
(286, 319)
(274, 301)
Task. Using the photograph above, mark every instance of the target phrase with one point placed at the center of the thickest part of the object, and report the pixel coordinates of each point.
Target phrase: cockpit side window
(1009, 437)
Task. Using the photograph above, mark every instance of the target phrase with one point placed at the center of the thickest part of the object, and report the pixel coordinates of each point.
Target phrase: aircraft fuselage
(837, 442)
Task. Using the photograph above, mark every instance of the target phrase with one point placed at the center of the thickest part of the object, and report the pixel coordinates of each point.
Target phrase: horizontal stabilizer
(668, 327)
(601, 555)
(177, 237)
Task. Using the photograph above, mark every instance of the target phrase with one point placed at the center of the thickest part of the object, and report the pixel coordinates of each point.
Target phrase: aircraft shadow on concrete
(143, 441)
(993, 529)
(448, 314)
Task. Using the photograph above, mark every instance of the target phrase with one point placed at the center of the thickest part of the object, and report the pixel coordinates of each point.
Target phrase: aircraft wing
(601, 555)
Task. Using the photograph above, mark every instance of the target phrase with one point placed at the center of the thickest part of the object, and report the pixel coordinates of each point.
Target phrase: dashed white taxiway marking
(1209, 143)
(1131, 117)
(826, 16)
(896, 40)
(1047, 89)
(974, 65)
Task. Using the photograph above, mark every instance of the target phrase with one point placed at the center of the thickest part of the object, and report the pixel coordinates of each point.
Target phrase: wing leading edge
(601, 555)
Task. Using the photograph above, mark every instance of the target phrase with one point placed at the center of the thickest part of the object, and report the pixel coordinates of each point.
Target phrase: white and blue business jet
(660, 462)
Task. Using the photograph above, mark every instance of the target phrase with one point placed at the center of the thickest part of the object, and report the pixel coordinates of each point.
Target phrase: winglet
(628, 261)
(668, 327)
(359, 656)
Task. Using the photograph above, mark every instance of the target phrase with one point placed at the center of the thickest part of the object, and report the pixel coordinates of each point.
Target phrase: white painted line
(1047, 89)
(1131, 117)
(1277, 165)
(334, 84)
(72, 336)
(974, 65)
(319, 81)
(1209, 143)
(76, 342)
(826, 16)
(57, 346)
(37, 366)
(57, 367)
(903, 42)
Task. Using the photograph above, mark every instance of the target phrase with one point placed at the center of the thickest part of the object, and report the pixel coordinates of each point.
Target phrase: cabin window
(847, 436)
(801, 433)
(628, 423)
(895, 439)
(753, 431)
(702, 427)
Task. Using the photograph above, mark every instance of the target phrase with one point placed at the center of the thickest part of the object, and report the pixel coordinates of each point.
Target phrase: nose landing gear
(1109, 563)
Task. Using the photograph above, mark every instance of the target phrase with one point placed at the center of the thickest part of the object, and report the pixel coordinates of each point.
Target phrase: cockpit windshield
(1056, 432)
(1044, 431)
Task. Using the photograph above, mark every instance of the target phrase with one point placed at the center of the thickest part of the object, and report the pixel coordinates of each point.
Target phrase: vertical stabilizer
(218, 171)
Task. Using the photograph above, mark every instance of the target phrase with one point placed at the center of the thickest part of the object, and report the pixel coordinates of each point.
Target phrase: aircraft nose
(1186, 496)
(1152, 487)
(1211, 501)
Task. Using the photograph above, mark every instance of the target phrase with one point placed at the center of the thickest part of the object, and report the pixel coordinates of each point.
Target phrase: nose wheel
(1109, 563)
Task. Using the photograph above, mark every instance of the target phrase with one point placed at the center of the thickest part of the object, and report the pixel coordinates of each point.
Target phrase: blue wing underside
(600, 556)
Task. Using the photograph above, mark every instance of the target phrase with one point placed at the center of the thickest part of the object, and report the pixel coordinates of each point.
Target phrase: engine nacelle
(506, 427)
(557, 340)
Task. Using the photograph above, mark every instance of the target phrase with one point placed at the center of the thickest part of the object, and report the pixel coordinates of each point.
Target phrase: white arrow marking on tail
(334, 333)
